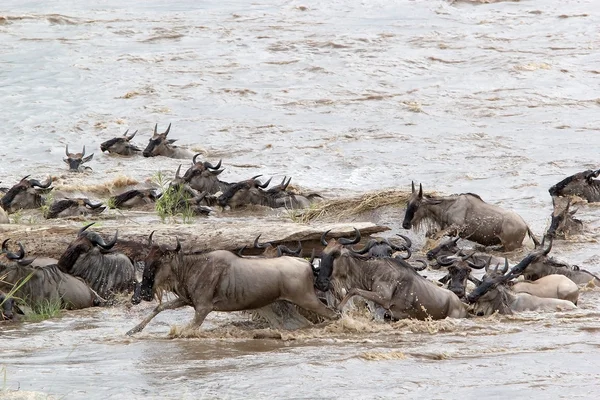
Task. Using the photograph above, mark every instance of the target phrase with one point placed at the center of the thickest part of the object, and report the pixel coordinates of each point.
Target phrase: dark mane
(474, 195)
(231, 191)
(8, 198)
(124, 197)
(59, 206)
(113, 141)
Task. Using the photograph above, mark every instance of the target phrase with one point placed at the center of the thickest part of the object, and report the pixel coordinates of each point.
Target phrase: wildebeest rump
(221, 281)
(106, 273)
(25, 194)
(467, 215)
(386, 281)
(581, 184)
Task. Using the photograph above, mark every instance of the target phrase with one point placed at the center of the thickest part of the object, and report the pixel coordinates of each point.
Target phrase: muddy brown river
(499, 99)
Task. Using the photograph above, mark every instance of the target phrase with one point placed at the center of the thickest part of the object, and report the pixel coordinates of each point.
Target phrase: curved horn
(177, 172)
(168, 129)
(150, 238)
(155, 127)
(132, 135)
(83, 152)
(194, 158)
(284, 184)
(367, 247)
(397, 248)
(24, 178)
(255, 176)
(444, 262)
(549, 247)
(503, 271)
(406, 239)
(281, 250)
(264, 185)
(481, 265)
(84, 228)
(467, 256)
(92, 206)
(46, 185)
(4, 249)
(323, 241)
(13, 256)
(420, 190)
(97, 239)
(209, 165)
(178, 245)
(412, 186)
(261, 245)
(344, 241)
(424, 265)
(241, 251)
(67, 150)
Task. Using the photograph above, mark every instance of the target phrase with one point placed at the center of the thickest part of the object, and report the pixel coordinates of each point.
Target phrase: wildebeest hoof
(133, 331)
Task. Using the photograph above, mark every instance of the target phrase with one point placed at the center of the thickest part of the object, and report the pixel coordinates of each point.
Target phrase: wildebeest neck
(68, 259)
(433, 209)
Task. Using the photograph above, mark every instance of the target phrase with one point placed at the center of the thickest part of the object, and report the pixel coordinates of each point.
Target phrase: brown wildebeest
(75, 161)
(388, 282)
(25, 194)
(203, 176)
(468, 216)
(493, 295)
(121, 145)
(159, 145)
(135, 198)
(563, 224)
(106, 273)
(581, 184)
(48, 284)
(549, 286)
(73, 208)
(221, 281)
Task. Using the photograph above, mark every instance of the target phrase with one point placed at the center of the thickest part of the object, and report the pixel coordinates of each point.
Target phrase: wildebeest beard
(323, 280)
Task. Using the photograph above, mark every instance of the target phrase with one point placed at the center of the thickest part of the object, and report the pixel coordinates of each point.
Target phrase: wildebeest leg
(315, 305)
(170, 305)
(199, 317)
(373, 296)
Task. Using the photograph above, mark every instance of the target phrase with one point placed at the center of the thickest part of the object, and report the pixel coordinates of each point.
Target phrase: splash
(379, 356)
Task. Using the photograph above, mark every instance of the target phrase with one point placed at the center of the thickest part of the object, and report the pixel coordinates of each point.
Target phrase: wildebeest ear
(171, 141)
(88, 158)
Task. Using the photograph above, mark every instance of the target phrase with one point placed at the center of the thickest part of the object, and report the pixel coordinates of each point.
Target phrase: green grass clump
(174, 201)
(45, 310)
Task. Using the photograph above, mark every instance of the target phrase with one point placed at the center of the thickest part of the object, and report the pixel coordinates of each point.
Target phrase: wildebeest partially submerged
(121, 145)
(88, 258)
(135, 198)
(25, 194)
(47, 284)
(459, 271)
(159, 145)
(73, 208)
(7, 307)
(582, 184)
(468, 216)
(563, 223)
(388, 282)
(221, 281)
(75, 161)
(203, 177)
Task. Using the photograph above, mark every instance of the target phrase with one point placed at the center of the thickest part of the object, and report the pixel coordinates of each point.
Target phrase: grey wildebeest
(203, 177)
(468, 216)
(7, 307)
(106, 273)
(563, 224)
(73, 208)
(396, 287)
(47, 284)
(75, 161)
(492, 295)
(121, 145)
(134, 198)
(159, 145)
(544, 265)
(221, 281)
(459, 272)
(581, 184)
(25, 194)
(270, 251)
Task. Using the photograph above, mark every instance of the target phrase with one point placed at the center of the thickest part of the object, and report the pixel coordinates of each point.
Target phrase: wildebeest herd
(92, 270)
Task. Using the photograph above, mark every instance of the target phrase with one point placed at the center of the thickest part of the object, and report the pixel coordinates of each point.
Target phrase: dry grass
(338, 209)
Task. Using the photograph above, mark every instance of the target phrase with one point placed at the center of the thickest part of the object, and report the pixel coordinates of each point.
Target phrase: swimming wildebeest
(492, 295)
(459, 271)
(279, 196)
(75, 161)
(563, 224)
(383, 248)
(106, 273)
(270, 251)
(388, 282)
(134, 198)
(73, 208)
(203, 177)
(550, 286)
(581, 184)
(468, 216)
(25, 194)
(7, 307)
(121, 145)
(544, 265)
(159, 145)
(221, 281)
(47, 284)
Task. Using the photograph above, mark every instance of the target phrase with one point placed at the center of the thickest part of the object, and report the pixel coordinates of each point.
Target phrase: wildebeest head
(159, 145)
(333, 249)
(18, 257)
(245, 193)
(202, 176)
(73, 208)
(562, 222)
(25, 194)
(270, 251)
(384, 248)
(7, 305)
(121, 145)
(84, 242)
(156, 264)
(413, 206)
(75, 161)
(459, 271)
(446, 247)
(581, 184)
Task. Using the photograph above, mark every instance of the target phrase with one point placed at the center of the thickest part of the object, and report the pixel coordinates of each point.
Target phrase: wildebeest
(75, 161)
(73, 208)
(459, 272)
(134, 198)
(25, 194)
(221, 281)
(581, 184)
(279, 196)
(396, 287)
(245, 193)
(47, 284)
(7, 306)
(159, 145)
(550, 286)
(544, 265)
(384, 248)
(468, 216)
(270, 251)
(492, 295)
(121, 145)
(203, 177)
(563, 224)
(106, 273)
